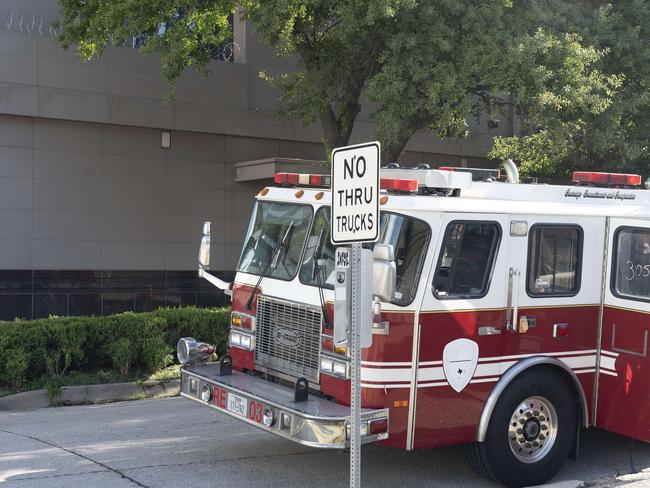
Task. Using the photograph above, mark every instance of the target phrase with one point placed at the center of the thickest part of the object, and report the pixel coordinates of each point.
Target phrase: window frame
(494, 253)
(423, 259)
(529, 263)
(304, 252)
(252, 225)
(614, 263)
(425, 250)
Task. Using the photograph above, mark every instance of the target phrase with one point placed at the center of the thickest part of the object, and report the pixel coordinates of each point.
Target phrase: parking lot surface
(175, 443)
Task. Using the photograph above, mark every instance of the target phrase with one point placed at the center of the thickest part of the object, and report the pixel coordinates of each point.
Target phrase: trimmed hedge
(125, 345)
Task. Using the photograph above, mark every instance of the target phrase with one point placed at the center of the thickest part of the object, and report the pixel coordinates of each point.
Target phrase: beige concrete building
(95, 215)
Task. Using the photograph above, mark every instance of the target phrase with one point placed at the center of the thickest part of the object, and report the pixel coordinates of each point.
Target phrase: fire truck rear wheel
(531, 431)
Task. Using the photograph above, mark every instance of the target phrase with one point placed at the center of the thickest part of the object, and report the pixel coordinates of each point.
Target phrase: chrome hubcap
(533, 429)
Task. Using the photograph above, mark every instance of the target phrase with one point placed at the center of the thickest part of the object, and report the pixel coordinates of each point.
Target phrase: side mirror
(384, 272)
(204, 250)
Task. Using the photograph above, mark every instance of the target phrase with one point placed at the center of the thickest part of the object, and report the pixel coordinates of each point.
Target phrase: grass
(172, 372)
(53, 384)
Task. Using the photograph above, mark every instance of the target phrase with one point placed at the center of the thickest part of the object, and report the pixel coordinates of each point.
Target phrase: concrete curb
(88, 394)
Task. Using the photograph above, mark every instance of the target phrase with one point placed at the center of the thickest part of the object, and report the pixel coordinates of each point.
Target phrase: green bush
(34, 353)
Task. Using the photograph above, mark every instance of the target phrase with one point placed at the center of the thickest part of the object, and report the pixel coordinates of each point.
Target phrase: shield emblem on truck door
(459, 361)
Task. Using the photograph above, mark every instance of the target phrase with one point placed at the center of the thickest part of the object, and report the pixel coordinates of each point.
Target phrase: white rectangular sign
(355, 193)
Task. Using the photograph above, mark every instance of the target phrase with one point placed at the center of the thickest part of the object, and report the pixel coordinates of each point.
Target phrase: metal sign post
(355, 219)
(355, 357)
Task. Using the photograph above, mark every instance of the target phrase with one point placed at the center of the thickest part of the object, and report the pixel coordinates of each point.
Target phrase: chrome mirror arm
(219, 283)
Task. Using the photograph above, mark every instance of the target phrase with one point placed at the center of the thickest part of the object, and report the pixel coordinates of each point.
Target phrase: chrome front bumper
(316, 422)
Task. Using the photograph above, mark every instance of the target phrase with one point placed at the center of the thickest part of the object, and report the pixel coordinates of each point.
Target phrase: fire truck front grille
(288, 337)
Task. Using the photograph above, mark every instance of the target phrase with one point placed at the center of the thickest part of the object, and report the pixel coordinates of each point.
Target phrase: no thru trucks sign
(355, 193)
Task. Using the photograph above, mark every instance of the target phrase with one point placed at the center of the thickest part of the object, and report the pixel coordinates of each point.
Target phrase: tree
(183, 32)
(337, 44)
(557, 96)
(614, 136)
(426, 64)
(441, 65)
(486, 56)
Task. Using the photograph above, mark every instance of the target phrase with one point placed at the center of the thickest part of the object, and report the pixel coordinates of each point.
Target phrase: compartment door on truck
(559, 260)
(624, 372)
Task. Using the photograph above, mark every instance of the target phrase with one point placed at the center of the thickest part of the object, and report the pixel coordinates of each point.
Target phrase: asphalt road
(176, 443)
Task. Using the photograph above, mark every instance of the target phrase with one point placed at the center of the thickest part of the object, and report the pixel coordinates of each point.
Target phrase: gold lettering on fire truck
(598, 194)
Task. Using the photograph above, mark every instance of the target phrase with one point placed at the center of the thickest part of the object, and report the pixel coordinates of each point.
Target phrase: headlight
(246, 341)
(340, 369)
(235, 339)
(239, 339)
(335, 367)
(268, 418)
(206, 393)
(326, 365)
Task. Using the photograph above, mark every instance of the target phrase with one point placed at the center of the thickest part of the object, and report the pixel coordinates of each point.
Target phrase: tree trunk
(337, 130)
(390, 151)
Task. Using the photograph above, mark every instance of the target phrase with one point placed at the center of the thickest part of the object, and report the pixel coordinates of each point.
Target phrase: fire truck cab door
(624, 372)
(462, 319)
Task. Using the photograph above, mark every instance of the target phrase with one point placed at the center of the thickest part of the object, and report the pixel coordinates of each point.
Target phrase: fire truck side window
(466, 261)
(409, 238)
(317, 267)
(554, 256)
(631, 263)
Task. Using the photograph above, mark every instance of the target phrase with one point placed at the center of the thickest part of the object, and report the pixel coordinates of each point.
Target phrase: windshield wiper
(271, 265)
(317, 250)
(319, 279)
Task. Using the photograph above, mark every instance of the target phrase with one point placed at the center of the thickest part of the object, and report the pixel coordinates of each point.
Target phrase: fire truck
(507, 317)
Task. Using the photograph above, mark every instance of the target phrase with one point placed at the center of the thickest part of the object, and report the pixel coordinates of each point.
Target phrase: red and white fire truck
(519, 314)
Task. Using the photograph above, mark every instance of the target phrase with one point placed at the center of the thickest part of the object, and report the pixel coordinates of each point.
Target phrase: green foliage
(337, 44)
(183, 32)
(575, 72)
(59, 350)
(16, 362)
(122, 353)
(559, 91)
(168, 373)
(452, 61)
(588, 134)
(443, 63)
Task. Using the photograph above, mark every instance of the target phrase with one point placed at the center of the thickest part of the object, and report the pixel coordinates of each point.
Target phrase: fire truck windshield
(408, 236)
(270, 223)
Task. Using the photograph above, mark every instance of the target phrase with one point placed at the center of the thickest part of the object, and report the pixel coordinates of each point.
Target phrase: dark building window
(27, 294)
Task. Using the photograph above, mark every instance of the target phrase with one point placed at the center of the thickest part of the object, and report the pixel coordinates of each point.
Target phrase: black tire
(496, 460)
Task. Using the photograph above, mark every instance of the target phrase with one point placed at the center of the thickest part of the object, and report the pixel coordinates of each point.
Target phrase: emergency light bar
(394, 179)
(596, 178)
(427, 178)
(393, 184)
(303, 179)
(478, 174)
